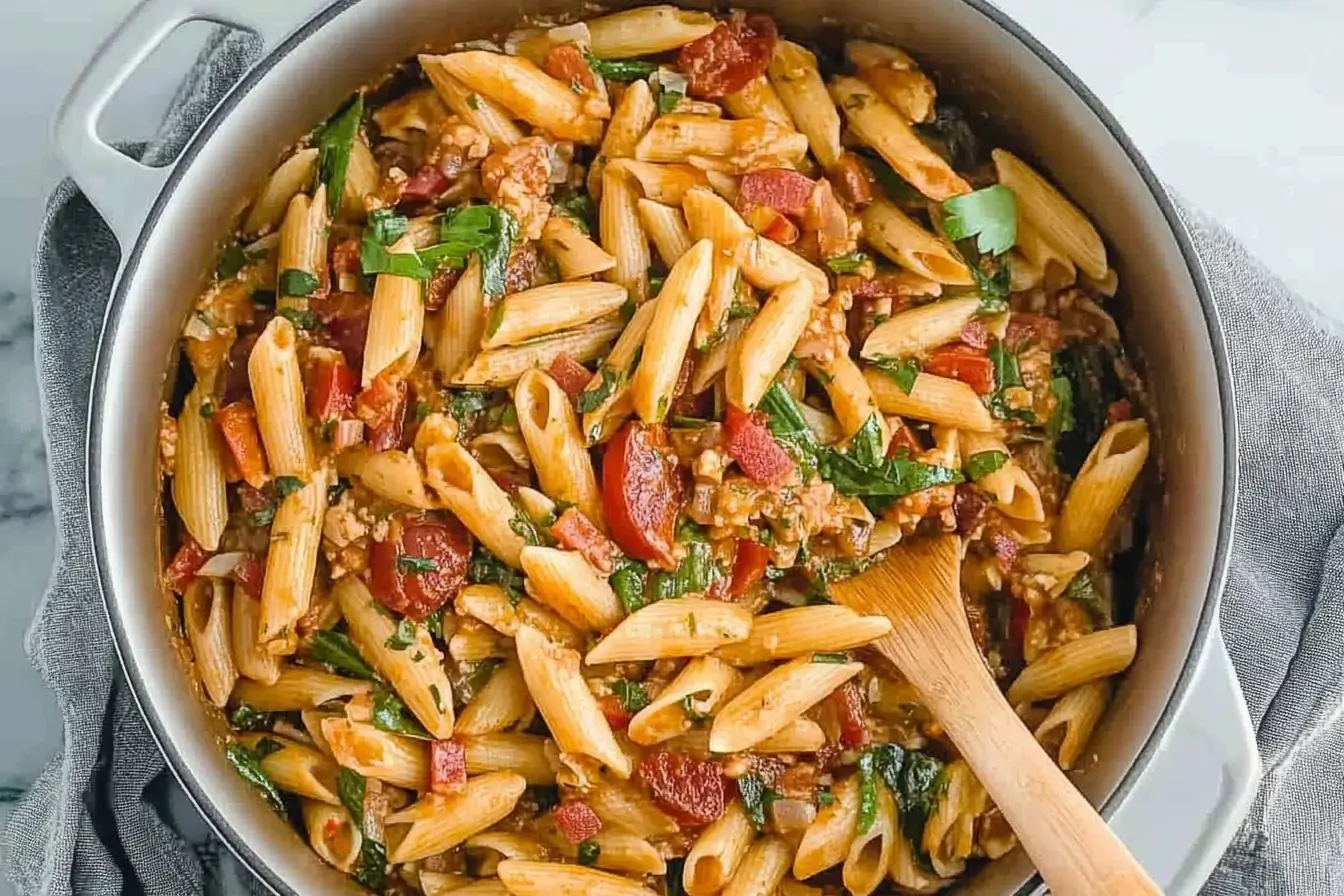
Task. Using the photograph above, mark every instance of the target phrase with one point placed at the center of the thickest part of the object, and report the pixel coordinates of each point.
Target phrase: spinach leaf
(590, 399)
(245, 718)
(981, 464)
(488, 230)
(462, 404)
(247, 763)
(294, 282)
(1007, 375)
(632, 695)
(473, 681)
(866, 445)
(589, 852)
(404, 634)
(1089, 368)
(234, 258)
(994, 288)
(1082, 590)
(524, 527)
(888, 760)
(696, 574)
(922, 783)
(989, 215)
(756, 797)
(902, 371)
(578, 206)
(789, 426)
(288, 485)
(851, 263)
(893, 478)
(304, 320)
(391, 715)
(335, 649)
(371, 870)
(334, 140)
(620, 69)
(487, 569)
(386, 226)
(628, 581)
(1062, 420)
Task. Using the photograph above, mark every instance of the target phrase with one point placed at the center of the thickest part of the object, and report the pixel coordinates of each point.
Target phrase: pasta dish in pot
(539, 397)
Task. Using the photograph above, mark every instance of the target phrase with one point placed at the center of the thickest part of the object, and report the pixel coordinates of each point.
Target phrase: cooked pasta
(538, 399)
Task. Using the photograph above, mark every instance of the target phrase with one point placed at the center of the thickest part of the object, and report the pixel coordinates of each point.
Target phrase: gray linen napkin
(94, 821)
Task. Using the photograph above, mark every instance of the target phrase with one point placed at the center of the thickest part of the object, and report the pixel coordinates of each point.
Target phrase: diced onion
(487, 45)
(559, 165)
(347, 433)
(221, 566)
(670, 79)
(792, 815)
(577, 33)
(197, 328)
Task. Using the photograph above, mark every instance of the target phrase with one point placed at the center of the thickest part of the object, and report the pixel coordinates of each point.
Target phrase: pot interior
(1170, 334)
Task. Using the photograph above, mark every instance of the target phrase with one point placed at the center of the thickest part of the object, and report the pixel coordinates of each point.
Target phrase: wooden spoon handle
(1075, 851)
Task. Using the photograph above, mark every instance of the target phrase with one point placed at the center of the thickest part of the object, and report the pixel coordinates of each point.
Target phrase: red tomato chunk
(691, 790)
(575, 532)
(251, 574)
(577, 821)
(963, 362)
(186, 563)
(382, 406)
(566, 64)
(331, 396)
(421, 565)
(784, 190)
(749, 564)
(641, 492)
(614, 712)
(447, 766)
(727, 59)
(755, 450)
(569, 375)
(237, 423)
(848, 703)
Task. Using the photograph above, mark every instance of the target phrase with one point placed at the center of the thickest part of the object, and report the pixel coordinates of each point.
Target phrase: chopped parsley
(304, 320)
(294, 282)
(391, 715)
(852, 263)
(589, 852)
(688, 705)
(1083, 591)
(462, 405)
(628, 581)
(336, 650)
(245, 718)
(610, 380)
(371, 869)
(1007, 375)
(234, 258)
(988, 214)
(288, 485)
(522, 525)
(669, 97)
(632, 694)
(487, 569)
(756, 797)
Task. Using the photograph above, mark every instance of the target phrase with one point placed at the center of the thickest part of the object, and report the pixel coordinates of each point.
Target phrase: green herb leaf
(232, 260)
(620, 69)
(688, 705)
(404, 634)
(371, 870)
(475, 679)
(1007, 375)
(391, 715)
(578, 206)
(487, 569)
(592, 398)
(522, 525)
(825, 798)
(1062, 420)
(488, 230)
(304, 320)
(833, 658)
(851, 263)
(672, 882)
(628, 582)
(994, 288)
(868, 782)
(668, 98)
(463, 404)
(288, 485)
(247, 763)
(1082, 590)
(335, 649)
(434, 624)
(245, 718)
(416, 565)
(888, 760)
(789, 427)
(756, 797)
(588, 852)
(696, 574)
(334, 492)
(294, 282)
(333, 141)
(866, 445)
(438, 698)
(632, 695)
(741, 310)
(988, 214)
(351, 788)
(386, 226)
(981, 464)
(207, 410)
(922, 784)
(902, 371)
(893, 478)
(374, 258)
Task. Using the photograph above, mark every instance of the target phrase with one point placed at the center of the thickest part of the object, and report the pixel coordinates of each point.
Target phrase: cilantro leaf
(988, 214)
(980, 465)
(336, 650)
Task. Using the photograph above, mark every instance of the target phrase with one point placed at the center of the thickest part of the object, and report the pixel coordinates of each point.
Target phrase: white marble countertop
(1235, 102)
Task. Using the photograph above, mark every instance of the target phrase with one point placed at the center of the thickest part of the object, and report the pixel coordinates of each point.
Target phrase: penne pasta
(297, 688)
(394, 475)
(391, 758)
(533, 757)
(949, 833)
(205, 616)
(502, 367)
(502, 612)
(524, 878)
(870, 853)
(1015, 493)
(827, 839)
(646, 30)
(718, 851)
(396, 323)
(667, 229)
(481, 112)
(1054, 571)
(549, 309)
(794, 75)
(290, 178)
(332, 835)
(477, 500)
(676, 627)
(851, 397)
(759, 100)
(799, 736)
(439, 823)
(670, 331)
(786, 634)
(297, 768)
(766, 344)
(936, 399)
(623, 806)
(198, 480)
(302, 249)
(1102, 483)
(775, 700)
(252, 659)
(667, 184)
(1056, 269)
(1075, 663)
(920, 330)
(621, 851)
(291, 562)
(461, 322)
(762, 868)
(1071, 721)
(277, 389)
(891, 232)
(768, 266)
(629, 122)
(1059, 221)
(734, 146)
(704, 682)
(896, 78)
(526, 91)
(563, 581)
(574, 253)
(623, 236)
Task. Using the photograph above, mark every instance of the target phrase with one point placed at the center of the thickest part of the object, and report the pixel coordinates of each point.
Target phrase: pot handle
(1182, 814)
(122, 189)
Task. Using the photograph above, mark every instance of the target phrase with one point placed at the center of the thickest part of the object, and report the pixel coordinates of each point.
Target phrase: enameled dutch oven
(1176, 762)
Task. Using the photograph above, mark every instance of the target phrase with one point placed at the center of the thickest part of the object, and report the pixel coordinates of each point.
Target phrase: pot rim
(236, 842)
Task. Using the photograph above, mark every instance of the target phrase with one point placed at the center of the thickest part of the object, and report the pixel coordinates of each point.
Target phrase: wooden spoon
(918, 587)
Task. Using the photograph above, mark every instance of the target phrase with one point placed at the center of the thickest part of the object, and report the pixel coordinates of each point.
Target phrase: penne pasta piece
(869, 855)
(949, 833)
(891, 232)
(575, 254)
(1069, 726)
(718, 851)
(666, 228)
(199, 487)
(476, 499)
(793, 73)
(661, 183)
(252, 660)
(762, 868)
(827, 839)
(481, 112)
(491, 605)
(874, 121)
(416, 671)
(799, 736)
(520, 86)
(634, 113)
(646, 30)
(526, 878)
(669, 336)
(1108, 285)
(712, 325)
(502, 367)
(623, 806)
(936, 399)
(617, 365)
(302, 248)
(332, 835)
(786, 634)
(1054, 571)
(394, 475)
(621, 851)
(710, 217)
(548, 309)
(410, 115)
(920, 330)
(277, 388)
(396, 323)
(391, 758)
(290, 178)
(676, 627)
(563, 581)
(895, 76)
(735, 146)
(569, 708)
(298, 688)
(623, 236)
(532, 756)
(768, 265)
(851, 397)
(759, 100)
(766, 344)
(362, 180)
(1075, 663)
(439, 823)
(1056, 269)
(441, 883)
(775, 700)
(461, 322)
(704, 681)
(1059, 221)
(715, 361)
(205, 616)
(1014, 491)
(291, 561)
(1102, 483)
(506, 845)
(297, 768)
(474, 643)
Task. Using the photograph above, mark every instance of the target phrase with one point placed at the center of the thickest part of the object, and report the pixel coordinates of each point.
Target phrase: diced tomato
(237, 383)
(251, 574)
(782, 189)
(331, 394)
(614, 712)
(1017, 622)
(237, 423)
(522, 268)
(447, 766)
(848, 703)
(1118, 411)
(729, 57)
(749, 563)
(641, 492)
(569, 375)
(853, 179)
(826, 217)
(769, 768)
(575, 532)
(1005, 550)
(345, 323)
(425, 185)
(421, 565)
(565, 63)
(902, 436)
(963, 362)
(968, 507)
(254, 499)
(760, 457)
(577, 821)
(345, 257)
(686, 403)
(895, 285)
(1024, 329)
(691, 790)
(188, 560)
(442, 283)
(382, 406)
(975, 334)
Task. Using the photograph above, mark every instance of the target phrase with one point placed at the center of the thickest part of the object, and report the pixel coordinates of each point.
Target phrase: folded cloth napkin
(101, 819)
